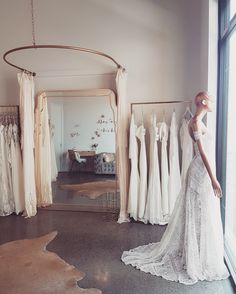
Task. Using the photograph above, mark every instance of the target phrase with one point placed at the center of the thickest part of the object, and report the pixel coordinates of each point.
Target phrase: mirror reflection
(83, 150)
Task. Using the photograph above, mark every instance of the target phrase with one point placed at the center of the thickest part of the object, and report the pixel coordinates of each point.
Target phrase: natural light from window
(230, 209)
(232, 8)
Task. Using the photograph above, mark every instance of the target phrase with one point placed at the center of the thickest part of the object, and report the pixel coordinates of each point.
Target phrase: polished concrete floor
(94, 242)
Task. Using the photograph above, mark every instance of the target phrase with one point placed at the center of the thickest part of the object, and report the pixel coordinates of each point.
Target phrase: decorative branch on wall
(104, 125)
(106, 130)
(75, 133)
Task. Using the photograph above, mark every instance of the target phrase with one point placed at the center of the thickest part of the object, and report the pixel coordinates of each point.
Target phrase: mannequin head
(204, 101)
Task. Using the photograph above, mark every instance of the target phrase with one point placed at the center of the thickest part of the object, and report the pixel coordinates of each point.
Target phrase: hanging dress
(192, 247)
(163, 132)
(54, 169)
(134, 173)
(8, 136)
(174, 178)
(143, 172)
(153, 210)
(17, 171)
(187, 148)
(7, 205)
(43, 153)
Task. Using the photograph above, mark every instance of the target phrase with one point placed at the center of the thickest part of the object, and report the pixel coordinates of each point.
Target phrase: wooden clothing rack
(159, 102)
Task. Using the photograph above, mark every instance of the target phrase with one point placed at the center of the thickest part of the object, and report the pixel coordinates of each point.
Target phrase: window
(232, 8)
(226, 126)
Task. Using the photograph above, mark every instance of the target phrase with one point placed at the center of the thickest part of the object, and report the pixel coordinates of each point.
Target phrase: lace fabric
(191, 248)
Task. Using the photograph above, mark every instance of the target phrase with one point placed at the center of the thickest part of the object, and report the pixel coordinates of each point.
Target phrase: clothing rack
(9, 113)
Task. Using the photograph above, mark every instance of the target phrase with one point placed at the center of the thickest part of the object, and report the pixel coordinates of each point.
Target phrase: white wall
(82, 118)
(79, 122)
(162, 44)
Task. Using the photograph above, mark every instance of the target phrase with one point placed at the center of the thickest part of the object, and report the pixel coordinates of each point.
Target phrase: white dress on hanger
(143, 172)
(192, 247)
(54, 169)
(153, 210)
(8, 136)
(17, 171)
(174, 178)
(26, 82)
(163, 132)
(187, 148)
(7, 205)
(134, 173)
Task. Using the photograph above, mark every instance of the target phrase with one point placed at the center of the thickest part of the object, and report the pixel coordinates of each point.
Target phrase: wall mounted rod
(159, 102)
(75, 48)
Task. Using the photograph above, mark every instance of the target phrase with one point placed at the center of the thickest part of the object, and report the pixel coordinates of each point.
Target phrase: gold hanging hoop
(64, 47)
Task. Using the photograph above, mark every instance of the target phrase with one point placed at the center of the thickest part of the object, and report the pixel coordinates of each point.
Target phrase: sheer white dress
(174, 184)
(17, 171)
(7, 205)
(163, 131)
(191, 248)
(153, 211)
(134, 173)
(140, 133)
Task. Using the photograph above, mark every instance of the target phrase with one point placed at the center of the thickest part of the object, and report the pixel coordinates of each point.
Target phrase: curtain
(122, 143)
(43, 168)
(26, 83)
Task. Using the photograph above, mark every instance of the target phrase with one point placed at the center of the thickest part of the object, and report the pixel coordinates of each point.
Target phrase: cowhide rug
(92, 189)
(26, 267)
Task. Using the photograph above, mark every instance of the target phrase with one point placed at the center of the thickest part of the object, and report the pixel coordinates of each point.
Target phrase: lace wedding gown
(191, 248)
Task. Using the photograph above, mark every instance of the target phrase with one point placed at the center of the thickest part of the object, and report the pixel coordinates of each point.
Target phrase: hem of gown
(156, 221)
(191, 282)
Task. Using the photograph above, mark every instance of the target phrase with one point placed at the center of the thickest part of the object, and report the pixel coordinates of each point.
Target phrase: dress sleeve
(197, 135)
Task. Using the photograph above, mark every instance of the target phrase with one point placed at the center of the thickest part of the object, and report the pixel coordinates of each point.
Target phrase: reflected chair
(74, 157)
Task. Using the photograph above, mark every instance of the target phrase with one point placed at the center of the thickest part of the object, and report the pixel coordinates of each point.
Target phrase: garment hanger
(14, 119)
(153, 114)
(187, 111)
(142, 116)
(164, 116)
(5, 119)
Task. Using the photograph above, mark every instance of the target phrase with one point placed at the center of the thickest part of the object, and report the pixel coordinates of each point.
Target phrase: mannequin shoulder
(194, 125)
